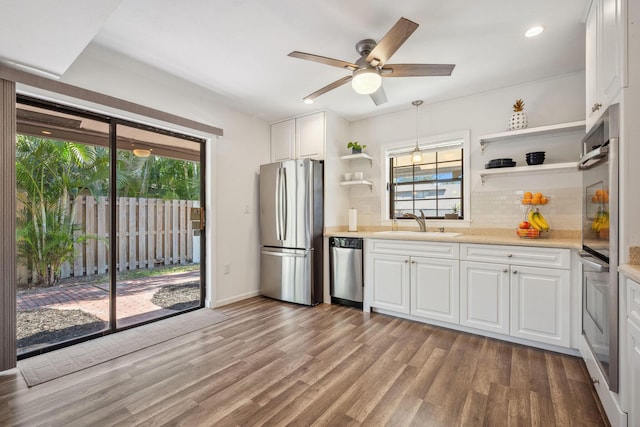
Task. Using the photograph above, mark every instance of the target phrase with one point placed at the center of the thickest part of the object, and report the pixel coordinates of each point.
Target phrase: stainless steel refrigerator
(291, 227)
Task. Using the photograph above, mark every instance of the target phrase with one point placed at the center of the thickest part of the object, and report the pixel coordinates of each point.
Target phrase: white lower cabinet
(406, 277)
(391, 281)
(633, 343)
(633, 351)
(435, 289)
(484, 296)
(517, 291)
(524, 301)
(540, 305)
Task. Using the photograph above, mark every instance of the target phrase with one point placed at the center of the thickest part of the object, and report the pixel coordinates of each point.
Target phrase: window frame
(431, 143)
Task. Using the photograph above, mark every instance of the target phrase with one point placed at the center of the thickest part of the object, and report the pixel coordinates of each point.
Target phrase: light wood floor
(275, 363)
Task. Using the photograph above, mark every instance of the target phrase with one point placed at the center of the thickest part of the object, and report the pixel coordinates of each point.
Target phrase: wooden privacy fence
(149, 233)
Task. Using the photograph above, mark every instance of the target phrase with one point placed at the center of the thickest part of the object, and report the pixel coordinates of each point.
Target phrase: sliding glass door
(157, 250)
(108, 231)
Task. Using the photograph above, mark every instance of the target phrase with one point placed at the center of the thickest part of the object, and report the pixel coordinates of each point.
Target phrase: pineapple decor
(519, 117)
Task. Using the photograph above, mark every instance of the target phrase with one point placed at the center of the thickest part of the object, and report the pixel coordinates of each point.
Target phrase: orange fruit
(526, 201)
(536, 200)
(538, 195)
(528, 195)
(594, 199)
(599, 192)
(544, 200)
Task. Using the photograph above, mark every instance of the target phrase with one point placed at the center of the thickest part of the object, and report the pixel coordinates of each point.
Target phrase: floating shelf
(359, 182)
(359, 156)
(528, 169)
(522, 133)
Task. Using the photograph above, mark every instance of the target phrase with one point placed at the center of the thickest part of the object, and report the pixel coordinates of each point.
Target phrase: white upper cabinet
(310, 136)
(603, 57)
(283, 136)
(302, 137)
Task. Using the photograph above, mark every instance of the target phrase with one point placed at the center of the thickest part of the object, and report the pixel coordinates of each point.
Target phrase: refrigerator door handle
(277, 204)
(284, 204)
(285, 254)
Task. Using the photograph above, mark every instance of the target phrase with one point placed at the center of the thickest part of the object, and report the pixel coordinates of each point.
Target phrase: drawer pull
(509, 255)
(505, 270)
(515, 272)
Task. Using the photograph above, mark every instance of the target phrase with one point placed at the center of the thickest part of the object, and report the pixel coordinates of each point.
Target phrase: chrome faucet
(420, 220)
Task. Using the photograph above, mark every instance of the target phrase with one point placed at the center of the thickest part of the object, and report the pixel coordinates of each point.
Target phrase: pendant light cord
(417, 156)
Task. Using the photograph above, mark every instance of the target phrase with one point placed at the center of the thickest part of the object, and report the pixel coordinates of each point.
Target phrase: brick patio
(133, 301)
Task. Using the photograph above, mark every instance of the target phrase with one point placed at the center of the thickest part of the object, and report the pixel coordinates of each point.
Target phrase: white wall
(232, 161)
(496, 203)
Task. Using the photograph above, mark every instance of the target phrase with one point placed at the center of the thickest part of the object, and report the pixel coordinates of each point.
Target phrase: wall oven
(599, 255)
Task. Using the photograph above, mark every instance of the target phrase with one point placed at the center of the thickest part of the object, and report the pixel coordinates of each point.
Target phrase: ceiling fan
(368, 70)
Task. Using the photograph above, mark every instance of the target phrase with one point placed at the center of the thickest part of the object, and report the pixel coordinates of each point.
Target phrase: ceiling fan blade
(416, 70)
(391, 41)
(327, 88)
(323, 60)
(379, 97)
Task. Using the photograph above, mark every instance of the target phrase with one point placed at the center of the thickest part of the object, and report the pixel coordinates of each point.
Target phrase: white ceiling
(238, 48)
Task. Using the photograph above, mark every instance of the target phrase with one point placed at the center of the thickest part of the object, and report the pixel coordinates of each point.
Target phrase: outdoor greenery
(50, 174)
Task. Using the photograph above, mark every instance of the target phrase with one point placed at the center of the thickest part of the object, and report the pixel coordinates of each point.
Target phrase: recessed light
(308, 101)
(46, 132)
(534, 31)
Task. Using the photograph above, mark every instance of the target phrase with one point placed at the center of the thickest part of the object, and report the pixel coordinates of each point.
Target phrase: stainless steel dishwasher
(346, 267)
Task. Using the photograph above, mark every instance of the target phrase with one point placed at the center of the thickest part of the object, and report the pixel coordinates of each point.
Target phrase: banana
(601, 221)
(542, 221)
(533, 220)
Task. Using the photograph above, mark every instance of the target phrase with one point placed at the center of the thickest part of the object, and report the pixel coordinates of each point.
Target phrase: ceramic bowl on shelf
(500, 163)
(358, 176)
(348, 176)
(535, 158)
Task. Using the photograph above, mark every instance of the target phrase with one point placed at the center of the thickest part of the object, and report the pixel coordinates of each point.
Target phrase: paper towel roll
(353, 220)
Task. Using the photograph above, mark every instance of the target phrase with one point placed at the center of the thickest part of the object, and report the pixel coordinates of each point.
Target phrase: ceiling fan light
(366, 81)
(141, 152)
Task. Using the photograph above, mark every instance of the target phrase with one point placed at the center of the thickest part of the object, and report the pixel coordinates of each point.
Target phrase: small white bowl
(358, 176)
(347, 176)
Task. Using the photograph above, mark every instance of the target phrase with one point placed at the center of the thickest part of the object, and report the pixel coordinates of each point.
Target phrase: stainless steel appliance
(599, 255)
(291, 226)
(345, 262)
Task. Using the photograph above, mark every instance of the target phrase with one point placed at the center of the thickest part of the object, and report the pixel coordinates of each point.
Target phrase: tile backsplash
(494, 209)
(503, 209)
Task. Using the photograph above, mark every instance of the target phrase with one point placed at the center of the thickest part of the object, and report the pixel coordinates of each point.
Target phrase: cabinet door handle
(509, 255)
(505, 270)
(406, 261)
(596, 107)
(413, 262)
(515, 271)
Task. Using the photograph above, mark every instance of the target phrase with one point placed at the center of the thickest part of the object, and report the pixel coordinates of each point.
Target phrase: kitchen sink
(419, 233)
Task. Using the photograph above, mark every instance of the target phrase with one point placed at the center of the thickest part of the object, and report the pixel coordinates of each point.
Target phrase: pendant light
(416, 156)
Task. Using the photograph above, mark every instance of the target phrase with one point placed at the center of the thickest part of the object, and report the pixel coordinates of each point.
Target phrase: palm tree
(49, 175)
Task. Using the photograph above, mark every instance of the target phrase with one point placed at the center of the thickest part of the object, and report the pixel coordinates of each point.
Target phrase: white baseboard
(233, 299)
